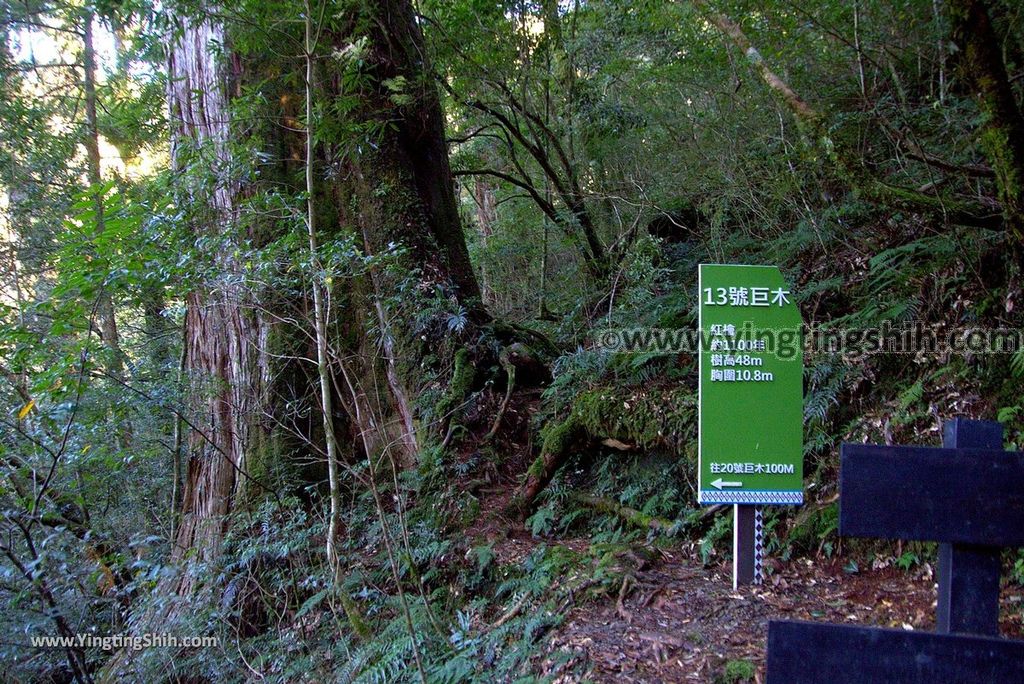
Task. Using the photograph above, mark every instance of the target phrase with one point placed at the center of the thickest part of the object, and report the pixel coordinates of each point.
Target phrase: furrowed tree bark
(223, 359)
(415, 156)
(397, 191)
(402, 193)
(1002, 128)
(221, 330)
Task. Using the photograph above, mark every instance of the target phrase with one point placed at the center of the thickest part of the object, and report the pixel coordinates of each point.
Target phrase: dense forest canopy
(301, 306)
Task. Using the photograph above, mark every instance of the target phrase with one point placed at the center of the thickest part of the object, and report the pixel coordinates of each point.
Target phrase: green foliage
(908, 560)
(815, 530)
(463, 375)
(1017, 567)
(542, 521)
(716, 537)
(636, 121)
(736, 672)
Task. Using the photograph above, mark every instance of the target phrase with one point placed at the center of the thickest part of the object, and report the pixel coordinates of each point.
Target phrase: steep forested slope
(303, 309)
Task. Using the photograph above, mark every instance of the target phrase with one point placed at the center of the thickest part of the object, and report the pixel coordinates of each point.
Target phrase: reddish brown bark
(419, 211)
(222, 353)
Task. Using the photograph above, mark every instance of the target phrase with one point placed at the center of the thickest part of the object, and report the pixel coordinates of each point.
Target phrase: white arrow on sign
(719, 484)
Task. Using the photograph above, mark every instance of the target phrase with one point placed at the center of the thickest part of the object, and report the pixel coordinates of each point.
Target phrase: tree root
(510, 372)
(559, 440)
(513, 611)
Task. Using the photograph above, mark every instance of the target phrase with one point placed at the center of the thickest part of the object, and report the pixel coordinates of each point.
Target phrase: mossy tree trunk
(399, 191)
(406, 191)
(1002, 128)
(558, 441)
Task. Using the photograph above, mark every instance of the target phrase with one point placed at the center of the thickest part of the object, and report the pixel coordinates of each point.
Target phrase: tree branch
(848, 163)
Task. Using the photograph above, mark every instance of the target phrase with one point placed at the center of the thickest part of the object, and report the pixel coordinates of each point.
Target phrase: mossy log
(515, 332)
(630, 515)
(558, 441)
(646, 419)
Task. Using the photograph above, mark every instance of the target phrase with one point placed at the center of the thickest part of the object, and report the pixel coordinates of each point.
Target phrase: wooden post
(968, 598)
(969, 497)
(816, 653)
(744, 543)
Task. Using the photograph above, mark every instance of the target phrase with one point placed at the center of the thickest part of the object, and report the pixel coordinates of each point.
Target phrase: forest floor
(675, 620)
(683, 623)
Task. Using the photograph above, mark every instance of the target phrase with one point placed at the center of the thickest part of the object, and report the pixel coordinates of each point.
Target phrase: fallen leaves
(674, 621)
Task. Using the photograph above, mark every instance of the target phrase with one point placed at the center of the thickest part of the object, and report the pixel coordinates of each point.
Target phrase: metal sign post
(750, 428)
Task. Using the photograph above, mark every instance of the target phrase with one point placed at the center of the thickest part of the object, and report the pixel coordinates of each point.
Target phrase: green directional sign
(750, 434)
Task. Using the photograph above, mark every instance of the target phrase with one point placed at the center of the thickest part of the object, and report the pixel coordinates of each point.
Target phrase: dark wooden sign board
(959, 496)
(969, 496)
(814, 653)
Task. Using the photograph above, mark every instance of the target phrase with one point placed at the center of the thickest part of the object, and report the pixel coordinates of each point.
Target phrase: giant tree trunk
(412, 161)
(221, 358)
(221, 329)
(400, 191)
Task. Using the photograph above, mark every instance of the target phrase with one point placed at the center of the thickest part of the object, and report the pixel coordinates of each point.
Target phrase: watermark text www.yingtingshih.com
(132, 642)
(741, 343)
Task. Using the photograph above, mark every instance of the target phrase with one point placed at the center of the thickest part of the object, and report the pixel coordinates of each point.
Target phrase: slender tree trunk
(108, 324)
(399, 394)
(846, 161)
(158, 333)
(486, 216)
(319, 313)
(177, 445)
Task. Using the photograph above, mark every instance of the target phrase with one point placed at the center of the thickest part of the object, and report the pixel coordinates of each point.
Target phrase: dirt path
(678, 622)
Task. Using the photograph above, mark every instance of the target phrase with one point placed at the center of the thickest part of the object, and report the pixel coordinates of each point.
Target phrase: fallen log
(630, 515)
(637, 419)
(559, 440)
